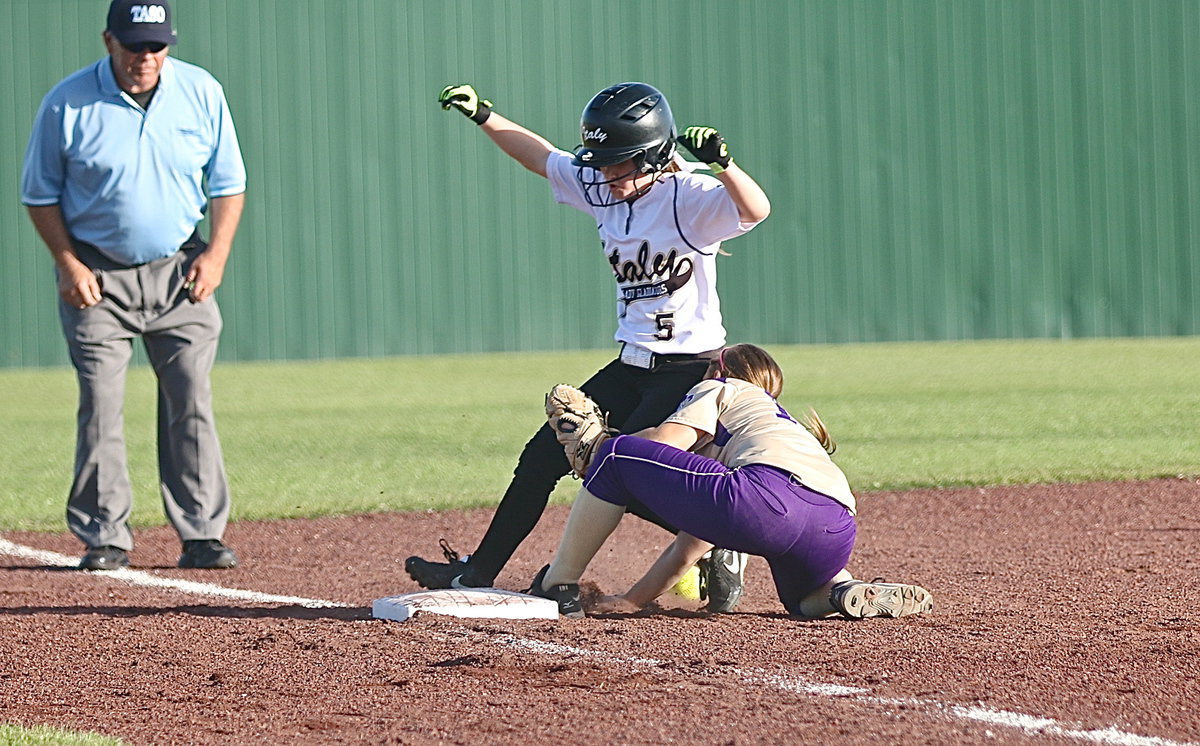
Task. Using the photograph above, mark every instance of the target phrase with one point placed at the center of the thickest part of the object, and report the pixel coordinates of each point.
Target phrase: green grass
(15, 735)
(349, 436)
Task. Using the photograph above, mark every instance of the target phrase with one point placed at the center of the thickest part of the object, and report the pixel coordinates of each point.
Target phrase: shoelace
(448, 551)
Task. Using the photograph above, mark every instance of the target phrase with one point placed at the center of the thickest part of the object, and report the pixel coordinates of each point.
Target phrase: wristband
(482, 112)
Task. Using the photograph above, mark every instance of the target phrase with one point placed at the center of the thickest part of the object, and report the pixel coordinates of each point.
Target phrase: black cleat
(104, 558)
(722, 578)
(207, 554)
(453, 573)
(433, 575)
(570, 601)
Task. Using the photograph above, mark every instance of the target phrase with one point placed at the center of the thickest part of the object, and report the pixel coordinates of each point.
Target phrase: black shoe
(104, 558)
(435, 575)
(570, 602)
(453, 573)
(722, 577)
(207, 554)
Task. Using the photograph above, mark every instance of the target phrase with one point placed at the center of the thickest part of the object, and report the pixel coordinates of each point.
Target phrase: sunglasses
(153, 47)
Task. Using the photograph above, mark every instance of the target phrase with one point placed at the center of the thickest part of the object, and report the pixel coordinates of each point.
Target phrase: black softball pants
(634, 398)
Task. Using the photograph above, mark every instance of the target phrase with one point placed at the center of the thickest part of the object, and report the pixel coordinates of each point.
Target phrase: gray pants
(180, 338)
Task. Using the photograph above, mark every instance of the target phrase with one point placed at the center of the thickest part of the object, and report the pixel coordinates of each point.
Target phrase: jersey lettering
(644, 268)
(655, 276)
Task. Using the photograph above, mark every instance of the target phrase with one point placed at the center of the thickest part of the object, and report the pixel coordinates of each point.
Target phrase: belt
(640, 357)
(93, 257)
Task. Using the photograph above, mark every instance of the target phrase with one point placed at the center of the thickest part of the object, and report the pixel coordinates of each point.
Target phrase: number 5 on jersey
(666, 326)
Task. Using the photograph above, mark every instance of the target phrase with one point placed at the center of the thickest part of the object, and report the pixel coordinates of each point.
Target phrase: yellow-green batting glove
(464, 98)
(706, 145)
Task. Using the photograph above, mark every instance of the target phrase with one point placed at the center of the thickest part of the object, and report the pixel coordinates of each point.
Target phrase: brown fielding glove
(578, 424)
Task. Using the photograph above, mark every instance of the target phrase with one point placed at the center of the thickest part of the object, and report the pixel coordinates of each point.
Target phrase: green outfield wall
(939, 169)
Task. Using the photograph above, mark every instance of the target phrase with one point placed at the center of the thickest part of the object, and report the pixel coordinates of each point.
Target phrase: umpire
(114, 181)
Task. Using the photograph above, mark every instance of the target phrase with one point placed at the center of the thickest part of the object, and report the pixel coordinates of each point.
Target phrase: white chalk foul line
(137, 577)
(1030, 724)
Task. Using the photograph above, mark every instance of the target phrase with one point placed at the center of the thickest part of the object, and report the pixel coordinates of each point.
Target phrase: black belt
(96, 259)
(710, 355)
(656, 358)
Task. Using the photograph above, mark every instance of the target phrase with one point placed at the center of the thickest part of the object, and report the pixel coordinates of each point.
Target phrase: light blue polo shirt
(132, 182)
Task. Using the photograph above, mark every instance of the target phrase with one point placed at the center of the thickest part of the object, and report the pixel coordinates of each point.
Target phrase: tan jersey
(745, 425)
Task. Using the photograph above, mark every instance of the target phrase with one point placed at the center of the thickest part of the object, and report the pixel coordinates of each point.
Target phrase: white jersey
(745, 425)
(662, 248)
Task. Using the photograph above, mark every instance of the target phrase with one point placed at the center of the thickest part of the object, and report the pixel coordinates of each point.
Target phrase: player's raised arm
(525, 146)
(706, 145)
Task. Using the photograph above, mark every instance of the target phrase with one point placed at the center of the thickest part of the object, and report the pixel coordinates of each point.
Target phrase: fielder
(730, 467)
(661, 228)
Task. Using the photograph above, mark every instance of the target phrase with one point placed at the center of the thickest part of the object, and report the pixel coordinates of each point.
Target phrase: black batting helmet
(624, 121)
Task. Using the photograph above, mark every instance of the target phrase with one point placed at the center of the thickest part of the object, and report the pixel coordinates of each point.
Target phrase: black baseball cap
(138, 21)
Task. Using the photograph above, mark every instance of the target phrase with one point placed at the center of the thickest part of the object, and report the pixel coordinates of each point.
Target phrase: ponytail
(812, 423)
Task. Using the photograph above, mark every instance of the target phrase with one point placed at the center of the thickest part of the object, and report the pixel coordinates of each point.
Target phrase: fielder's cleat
(455, 572)
(722, 578)
(570, 601)
(856, 599)
(104, 558)
(207, 554)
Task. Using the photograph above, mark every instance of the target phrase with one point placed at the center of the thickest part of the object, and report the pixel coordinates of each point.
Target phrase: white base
(470, 603)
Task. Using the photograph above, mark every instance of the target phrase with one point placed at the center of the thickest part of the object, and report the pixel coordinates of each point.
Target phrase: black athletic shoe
(207, 554)
(433, 575)
(104, 558)
(453, 573)
(570, 602)
(722, 574)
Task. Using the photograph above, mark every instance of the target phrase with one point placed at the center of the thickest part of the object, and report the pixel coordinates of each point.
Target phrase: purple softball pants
(806, 537)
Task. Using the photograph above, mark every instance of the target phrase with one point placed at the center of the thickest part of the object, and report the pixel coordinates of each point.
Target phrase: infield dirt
(1064, 614)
